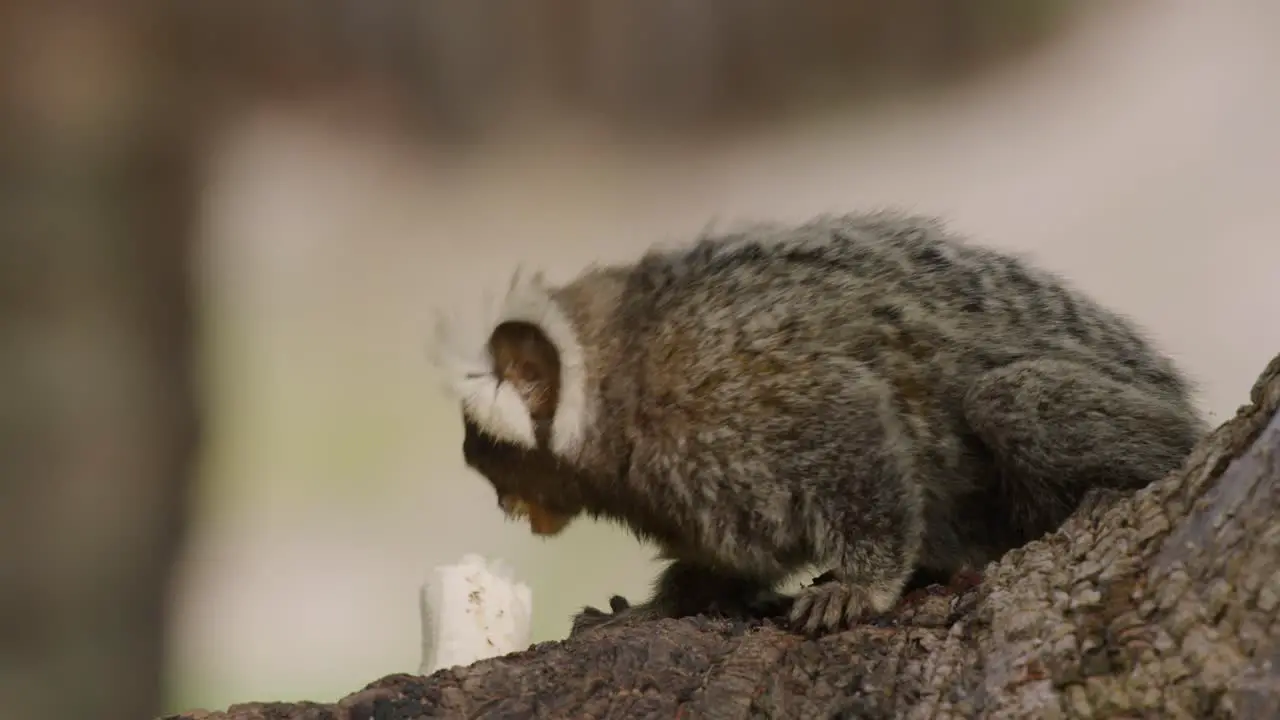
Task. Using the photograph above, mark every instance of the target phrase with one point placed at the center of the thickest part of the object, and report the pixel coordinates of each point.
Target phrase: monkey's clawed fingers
(589, 617)
(828, 607)
(592, 617)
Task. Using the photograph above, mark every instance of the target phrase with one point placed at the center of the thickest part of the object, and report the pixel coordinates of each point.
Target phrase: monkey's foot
(829, 607)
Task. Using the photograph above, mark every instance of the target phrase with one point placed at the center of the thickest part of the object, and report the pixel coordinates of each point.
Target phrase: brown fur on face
(530, 484)
(525, 358)
(541, 520)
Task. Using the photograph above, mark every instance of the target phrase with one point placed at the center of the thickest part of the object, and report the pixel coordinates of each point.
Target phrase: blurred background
(226, 463)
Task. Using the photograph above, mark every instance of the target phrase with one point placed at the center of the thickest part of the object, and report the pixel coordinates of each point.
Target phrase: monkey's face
(510, 394)
(529, 484)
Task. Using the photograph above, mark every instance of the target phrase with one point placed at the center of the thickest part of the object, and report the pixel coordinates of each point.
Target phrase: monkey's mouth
(541, 520)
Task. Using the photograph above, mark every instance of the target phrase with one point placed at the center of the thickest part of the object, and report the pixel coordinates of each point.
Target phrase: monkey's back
(921, 306)
(739, 340)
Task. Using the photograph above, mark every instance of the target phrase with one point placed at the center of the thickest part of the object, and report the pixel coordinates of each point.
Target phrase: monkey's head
(518, 374)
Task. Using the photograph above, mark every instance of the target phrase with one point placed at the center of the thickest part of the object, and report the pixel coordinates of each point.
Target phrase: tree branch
(1163, 603)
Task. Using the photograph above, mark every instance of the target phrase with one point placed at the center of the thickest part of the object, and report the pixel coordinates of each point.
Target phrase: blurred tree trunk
(462, 69)
(98, 424)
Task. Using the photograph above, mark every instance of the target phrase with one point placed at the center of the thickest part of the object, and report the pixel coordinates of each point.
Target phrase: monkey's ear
(525, 357)
(517, 364)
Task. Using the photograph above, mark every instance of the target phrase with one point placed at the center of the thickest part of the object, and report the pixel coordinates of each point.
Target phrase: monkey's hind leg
(867, 528)
(1058, 429)
(685, 588)
(870, 584)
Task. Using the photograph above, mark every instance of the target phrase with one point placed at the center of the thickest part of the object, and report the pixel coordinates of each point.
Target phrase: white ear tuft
(462, 356)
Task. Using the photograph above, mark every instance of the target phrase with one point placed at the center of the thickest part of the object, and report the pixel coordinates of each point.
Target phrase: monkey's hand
(686, 588)
(623, 613)
(762, 604)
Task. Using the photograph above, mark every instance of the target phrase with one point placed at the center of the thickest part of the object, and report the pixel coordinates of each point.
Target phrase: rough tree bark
(1164, 603)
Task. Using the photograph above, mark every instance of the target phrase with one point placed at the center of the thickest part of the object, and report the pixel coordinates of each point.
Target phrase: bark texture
(1164, 603)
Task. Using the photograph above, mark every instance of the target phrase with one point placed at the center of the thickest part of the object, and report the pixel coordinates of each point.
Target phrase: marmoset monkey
(868, 394)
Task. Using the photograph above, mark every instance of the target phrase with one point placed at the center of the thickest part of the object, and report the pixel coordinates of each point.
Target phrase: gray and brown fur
(867, 393)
